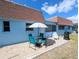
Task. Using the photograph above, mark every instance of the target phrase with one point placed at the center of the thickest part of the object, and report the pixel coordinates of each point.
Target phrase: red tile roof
(11, 10)
(61, 21)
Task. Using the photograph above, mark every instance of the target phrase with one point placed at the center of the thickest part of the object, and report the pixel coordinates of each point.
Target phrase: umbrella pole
(38, 35)
(38, 31)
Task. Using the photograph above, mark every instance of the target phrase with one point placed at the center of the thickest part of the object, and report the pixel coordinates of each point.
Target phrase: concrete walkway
(23, 51)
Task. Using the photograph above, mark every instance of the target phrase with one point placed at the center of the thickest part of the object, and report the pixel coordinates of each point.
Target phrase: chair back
(31, 39)
(41, 35)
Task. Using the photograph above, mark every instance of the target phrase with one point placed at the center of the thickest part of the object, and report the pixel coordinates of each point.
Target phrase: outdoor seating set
(41, 38)
(39, 41)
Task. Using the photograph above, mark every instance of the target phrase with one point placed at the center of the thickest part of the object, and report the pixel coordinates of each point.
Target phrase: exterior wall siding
(17, 33)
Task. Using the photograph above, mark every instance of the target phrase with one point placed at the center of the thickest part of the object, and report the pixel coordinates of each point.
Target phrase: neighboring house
(14, 22)
(59, 24)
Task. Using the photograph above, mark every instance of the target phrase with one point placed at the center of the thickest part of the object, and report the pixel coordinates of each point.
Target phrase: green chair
(32, 40)
(43, 39)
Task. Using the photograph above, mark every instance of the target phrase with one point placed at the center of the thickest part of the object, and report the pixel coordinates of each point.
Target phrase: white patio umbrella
(38, 25)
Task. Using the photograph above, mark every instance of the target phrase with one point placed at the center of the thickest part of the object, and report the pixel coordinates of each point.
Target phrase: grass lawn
(66, 51)
(73, 37)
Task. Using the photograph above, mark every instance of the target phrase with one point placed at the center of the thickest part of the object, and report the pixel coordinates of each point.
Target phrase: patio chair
(43, 39)
(32, 40)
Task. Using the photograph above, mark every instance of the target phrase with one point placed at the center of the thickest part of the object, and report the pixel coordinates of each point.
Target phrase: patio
(23, 51)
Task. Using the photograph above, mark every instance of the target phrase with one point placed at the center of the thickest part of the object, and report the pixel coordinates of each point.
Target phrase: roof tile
(11, 10)
(61, 21)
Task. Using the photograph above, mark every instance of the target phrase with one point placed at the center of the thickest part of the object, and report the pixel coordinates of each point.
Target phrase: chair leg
(46, 44)
(29, 45)
(35, 47)
(32, 47)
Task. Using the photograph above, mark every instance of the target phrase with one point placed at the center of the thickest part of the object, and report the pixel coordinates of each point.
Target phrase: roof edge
(59, 17)
(25, 6)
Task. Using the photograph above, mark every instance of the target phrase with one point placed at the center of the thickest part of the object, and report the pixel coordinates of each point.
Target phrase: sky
(50, 8)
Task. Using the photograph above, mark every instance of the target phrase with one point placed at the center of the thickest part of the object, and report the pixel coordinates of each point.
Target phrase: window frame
(69, 27)
(27, 27)
(50, 29)
(53, 26)
(6, 26)
(61, 27)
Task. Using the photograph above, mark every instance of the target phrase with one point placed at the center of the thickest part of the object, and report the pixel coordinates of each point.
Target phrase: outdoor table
(41, 40)
(38, 44)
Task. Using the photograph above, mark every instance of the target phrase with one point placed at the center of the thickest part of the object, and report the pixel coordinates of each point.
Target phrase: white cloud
(74, 18)
(50, 9)
(64, 6)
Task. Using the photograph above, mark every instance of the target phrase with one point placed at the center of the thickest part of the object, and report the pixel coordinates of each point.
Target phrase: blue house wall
(17, 32)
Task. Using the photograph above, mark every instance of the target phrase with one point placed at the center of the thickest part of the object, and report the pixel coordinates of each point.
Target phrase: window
(68, 27)
(27, 27)
(6, 26)
(61, 27)
(51, 28)
(73, 28)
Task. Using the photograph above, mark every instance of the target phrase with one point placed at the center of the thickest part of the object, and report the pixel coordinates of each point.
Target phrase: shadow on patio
(50, 42)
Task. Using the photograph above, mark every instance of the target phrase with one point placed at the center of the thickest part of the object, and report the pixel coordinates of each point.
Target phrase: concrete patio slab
(23, 51)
